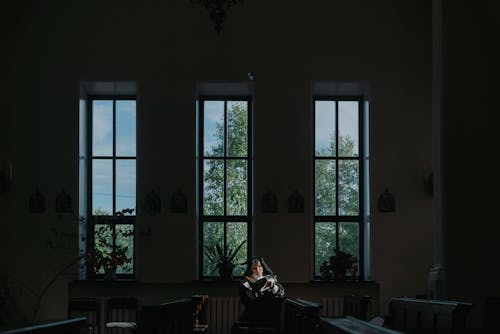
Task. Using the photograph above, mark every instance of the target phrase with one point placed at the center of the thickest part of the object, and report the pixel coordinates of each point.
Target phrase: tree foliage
(113, 242)
(225, 156)
(325, 199)
(228, 155)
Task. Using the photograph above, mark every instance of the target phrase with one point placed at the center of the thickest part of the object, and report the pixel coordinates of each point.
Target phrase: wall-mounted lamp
(269, 202)
(386, 202)
(428, 181)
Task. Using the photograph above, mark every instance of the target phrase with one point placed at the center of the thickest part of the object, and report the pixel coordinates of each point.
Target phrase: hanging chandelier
(218, 10)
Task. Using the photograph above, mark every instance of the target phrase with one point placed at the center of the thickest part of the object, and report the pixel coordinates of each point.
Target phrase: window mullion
(361, 193)
(225, 173)
(337, 142)
(114, 159)
(90, 158)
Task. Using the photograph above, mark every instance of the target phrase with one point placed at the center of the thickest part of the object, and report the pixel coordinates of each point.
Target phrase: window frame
(93, 220)
(360, 218)
(202, 218)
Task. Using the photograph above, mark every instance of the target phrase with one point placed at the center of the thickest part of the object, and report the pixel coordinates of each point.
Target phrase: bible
(259, 286)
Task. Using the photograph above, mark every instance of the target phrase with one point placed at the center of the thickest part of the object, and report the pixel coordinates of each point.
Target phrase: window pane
(236, 234)
(237, 136)
(125, 128)
(349, 240)
(348, 129)
(213, 129)
(325, 235)
(125, 185)
(125, 241)
(325, 187)
(237, 187)
(103, 245)
(213, 234)
(213, 187)
(349, 187)
(325, 128)
(102, 128)
(102, 187)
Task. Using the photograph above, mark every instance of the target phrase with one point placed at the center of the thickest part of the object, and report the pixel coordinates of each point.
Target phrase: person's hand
(270, 283)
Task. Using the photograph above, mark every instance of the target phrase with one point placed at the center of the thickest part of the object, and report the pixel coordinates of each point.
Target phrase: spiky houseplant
(223, 257)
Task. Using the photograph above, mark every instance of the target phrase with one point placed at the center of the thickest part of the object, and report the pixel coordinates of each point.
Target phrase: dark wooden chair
(88, 308)
(357, 306)
(121, 315)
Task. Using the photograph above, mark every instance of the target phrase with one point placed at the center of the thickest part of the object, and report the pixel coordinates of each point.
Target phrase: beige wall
(169, 47)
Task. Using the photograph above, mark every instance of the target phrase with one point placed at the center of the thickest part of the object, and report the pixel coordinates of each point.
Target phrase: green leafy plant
(340, 263)
(108, 254)
(223, 257)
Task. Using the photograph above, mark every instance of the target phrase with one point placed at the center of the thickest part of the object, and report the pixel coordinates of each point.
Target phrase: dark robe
(264, 307)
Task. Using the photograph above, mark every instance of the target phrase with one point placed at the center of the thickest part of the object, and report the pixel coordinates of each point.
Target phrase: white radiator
(221, 313)
(332, 306)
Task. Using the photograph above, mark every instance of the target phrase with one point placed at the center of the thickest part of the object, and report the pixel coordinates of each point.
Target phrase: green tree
(325, 201)
(235, 187)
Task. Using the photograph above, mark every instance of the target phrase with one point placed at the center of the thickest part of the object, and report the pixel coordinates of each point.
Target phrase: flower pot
(339, 274)
(226, 271)
(109, 273)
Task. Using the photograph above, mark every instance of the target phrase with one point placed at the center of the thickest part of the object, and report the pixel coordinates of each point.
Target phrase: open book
(259, 286)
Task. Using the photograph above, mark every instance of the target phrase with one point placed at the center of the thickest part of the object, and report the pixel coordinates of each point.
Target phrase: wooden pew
(301, 316)
(70, 326)
(415, 316)
(350, 325)
(175, 317)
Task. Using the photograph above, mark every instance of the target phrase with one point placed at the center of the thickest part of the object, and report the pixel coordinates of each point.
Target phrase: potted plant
(325, 272)
(108, 254)
(107, 257)
(340, 263)
(223, 257)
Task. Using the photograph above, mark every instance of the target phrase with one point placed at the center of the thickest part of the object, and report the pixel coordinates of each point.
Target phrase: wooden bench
(425, 316)
(350, 325)
(71, 326)
(301, 316)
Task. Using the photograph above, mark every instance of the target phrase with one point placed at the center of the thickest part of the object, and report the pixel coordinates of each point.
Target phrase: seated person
(261, 293)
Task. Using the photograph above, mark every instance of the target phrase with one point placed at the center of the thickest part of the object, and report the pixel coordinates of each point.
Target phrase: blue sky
(325, 122)
(102, 145)
(214, 114)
